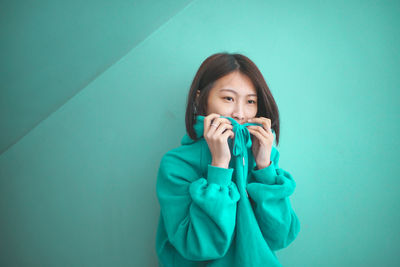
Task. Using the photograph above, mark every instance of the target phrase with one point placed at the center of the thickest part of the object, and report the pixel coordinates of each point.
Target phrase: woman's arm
(270, 193)
(199, 213)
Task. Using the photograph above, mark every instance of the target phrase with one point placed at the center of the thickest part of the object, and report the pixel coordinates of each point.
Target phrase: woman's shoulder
(181, 164)
(188, 154)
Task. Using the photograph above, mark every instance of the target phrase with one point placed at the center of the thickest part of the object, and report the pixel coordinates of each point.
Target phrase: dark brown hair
(217, 66)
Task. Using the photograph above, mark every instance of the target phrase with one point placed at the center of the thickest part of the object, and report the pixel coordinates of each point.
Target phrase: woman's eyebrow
(233, 91)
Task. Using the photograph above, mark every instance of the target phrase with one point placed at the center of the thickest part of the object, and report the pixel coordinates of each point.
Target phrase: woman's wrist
(220, 165)
(262, 166)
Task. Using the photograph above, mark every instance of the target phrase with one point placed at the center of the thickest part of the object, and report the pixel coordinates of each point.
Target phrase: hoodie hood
(242, 138)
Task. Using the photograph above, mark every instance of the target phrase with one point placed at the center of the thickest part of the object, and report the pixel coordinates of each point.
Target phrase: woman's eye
(227, 97)
(253, 101)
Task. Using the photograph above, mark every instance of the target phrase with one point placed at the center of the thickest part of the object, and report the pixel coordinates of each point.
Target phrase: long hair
(217, 66)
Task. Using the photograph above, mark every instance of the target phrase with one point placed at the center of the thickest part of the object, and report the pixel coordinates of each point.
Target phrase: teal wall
(50, 50)
(92, 96)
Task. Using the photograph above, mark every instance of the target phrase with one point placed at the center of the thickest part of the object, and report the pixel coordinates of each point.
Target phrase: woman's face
(233, 95)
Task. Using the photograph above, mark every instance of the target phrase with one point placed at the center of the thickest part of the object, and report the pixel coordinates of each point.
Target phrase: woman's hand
(262, 144)
(217, 136)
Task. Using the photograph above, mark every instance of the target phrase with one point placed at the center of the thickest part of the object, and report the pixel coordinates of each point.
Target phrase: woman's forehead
(235, 83)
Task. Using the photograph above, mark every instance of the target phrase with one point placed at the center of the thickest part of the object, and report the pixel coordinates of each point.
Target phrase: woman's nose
(238, 114)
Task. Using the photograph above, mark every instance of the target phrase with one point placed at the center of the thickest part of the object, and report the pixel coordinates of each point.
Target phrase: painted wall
(51, 50)
(77, 188)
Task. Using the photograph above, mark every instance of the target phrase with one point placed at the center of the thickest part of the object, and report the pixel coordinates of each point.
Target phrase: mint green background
(93, 94)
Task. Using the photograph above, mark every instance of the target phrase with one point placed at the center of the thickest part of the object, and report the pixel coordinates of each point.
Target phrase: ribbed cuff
(266, 175)
(218, 175)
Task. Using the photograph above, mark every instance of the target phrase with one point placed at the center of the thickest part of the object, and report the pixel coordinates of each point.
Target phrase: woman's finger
(260, 129)
(260, 137)
(207, 122)
(264, 121)
(222, 127)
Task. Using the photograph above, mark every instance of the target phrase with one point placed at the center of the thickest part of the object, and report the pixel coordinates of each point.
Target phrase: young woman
(224, 200)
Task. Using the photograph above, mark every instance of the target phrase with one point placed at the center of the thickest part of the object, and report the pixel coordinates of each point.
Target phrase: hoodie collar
(242, 134)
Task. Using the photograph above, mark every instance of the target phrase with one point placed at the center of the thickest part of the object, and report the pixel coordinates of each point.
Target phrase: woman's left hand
(262, 144)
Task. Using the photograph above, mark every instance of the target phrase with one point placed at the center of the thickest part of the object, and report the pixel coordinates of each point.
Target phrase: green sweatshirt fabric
(212, 216)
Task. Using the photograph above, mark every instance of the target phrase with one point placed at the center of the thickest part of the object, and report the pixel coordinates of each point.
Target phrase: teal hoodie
(212, 216)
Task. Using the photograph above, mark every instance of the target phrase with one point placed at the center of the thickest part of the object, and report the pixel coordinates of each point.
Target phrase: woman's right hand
(217, 136)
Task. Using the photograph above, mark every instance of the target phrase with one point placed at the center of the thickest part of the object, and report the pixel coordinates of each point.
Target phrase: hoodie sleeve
(199, 213)
(270, 194)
